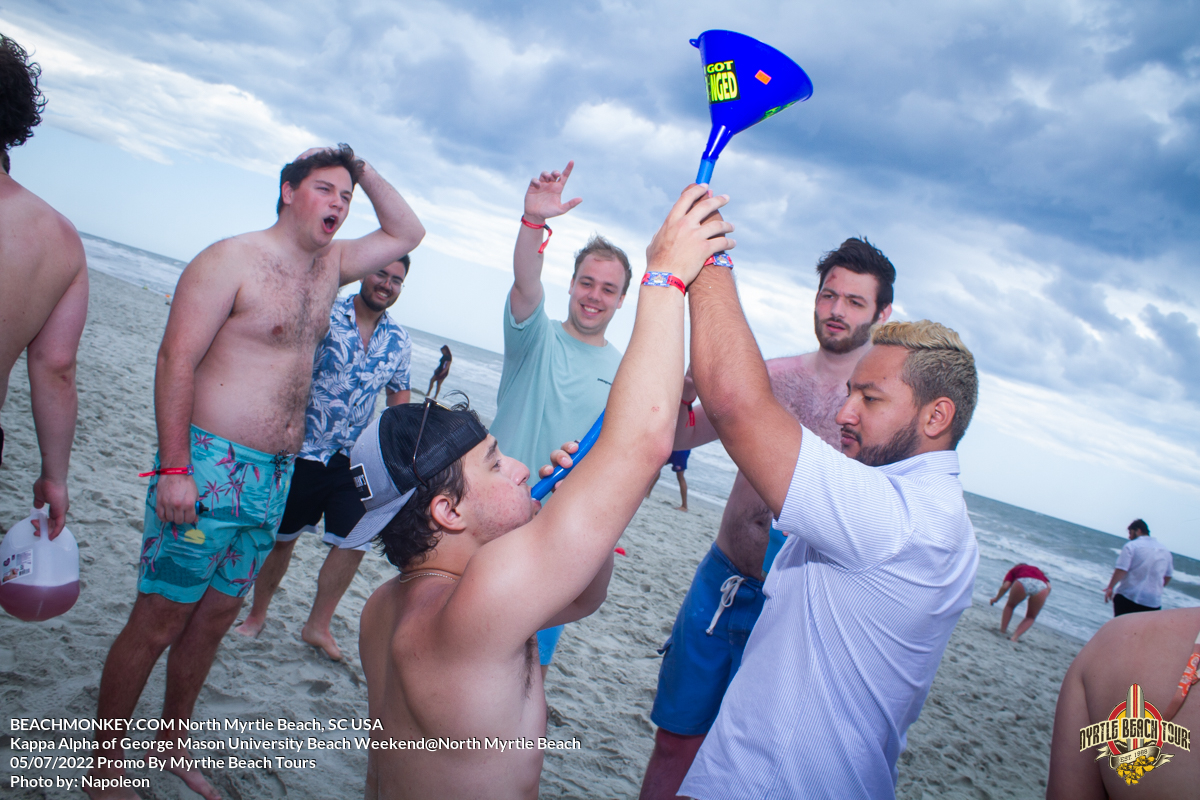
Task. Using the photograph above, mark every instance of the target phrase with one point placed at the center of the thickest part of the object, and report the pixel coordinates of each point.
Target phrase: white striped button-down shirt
(862, 599)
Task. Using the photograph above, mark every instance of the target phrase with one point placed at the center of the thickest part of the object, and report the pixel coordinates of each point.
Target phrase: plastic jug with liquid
(39, 578)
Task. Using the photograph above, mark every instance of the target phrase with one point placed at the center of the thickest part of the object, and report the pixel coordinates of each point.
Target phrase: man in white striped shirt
(878, 566)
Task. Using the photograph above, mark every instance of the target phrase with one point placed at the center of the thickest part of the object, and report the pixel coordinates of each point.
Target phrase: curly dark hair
(21, 102)
(408, 539)
(340, 156)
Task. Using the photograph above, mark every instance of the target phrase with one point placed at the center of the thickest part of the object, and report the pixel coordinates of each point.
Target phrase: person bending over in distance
(1144, 568)
(440, 372)
(363, 353)
(879, 564)
(1025, 581)
(230, 392)
(448, 647)
(1150, 650)
(556, 375)
(43, 291)
(705, 648)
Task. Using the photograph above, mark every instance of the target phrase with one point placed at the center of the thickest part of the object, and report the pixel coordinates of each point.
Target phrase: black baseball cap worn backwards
(382, 462)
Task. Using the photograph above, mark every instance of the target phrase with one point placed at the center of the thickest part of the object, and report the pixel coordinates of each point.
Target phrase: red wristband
(721, 259)
(188, 470)
(691, 415)
(663, 279)
(549, 232)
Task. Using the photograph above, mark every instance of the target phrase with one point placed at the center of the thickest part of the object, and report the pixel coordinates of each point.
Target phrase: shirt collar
(940, 461)
(345, 307)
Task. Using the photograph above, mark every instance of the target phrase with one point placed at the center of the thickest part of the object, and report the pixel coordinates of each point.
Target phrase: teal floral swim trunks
(245, 492)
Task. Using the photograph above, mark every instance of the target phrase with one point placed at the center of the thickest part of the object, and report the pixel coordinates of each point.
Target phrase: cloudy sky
(1032, 169)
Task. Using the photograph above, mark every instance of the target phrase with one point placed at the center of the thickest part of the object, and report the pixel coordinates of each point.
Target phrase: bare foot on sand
(322, 639)
(103, 793)
(681, 508)
(252, 627)
(181, 764)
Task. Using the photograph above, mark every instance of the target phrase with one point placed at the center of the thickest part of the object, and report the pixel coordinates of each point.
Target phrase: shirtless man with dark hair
(43, 292)
(230, 393)
(704, 650)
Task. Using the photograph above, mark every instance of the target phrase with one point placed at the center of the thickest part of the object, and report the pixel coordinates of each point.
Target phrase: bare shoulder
(380, 605)
(1132, 632)
(225, 261)
(793, 379)
(791, 368)
(796, 386)
(40, 222)
(232, 251)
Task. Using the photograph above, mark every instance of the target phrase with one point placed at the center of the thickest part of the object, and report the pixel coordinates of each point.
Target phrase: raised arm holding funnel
(448, 646)
(881, 559)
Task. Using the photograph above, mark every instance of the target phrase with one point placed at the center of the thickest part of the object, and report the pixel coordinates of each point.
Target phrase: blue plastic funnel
(747, 82)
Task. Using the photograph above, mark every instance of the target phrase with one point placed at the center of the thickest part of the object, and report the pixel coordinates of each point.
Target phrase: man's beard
(856, 339)
(901, 446)
(370, 302)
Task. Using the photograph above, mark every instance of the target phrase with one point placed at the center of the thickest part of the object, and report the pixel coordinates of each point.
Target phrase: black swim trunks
(322, 490)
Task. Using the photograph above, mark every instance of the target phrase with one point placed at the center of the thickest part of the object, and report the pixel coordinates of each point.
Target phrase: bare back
(252, 383)
(1150, 649)
(746, 523)
(422, 687)
(41, 257)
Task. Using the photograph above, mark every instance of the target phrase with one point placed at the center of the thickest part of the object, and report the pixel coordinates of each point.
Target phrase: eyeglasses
(429, 401)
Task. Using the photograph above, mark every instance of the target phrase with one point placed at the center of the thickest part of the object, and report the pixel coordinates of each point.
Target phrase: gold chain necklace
(409, 576)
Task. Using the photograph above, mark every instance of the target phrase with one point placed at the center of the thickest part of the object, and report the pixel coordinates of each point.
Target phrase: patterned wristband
(721, 259)
(663, 279)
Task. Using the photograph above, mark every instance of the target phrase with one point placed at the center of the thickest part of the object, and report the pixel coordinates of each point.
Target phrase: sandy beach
(984, 731)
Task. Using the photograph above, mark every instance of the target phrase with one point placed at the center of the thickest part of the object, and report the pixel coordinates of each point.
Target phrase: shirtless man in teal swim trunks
(230, 393)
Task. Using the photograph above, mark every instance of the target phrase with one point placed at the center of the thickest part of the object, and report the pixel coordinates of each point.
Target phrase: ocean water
(1078, 560)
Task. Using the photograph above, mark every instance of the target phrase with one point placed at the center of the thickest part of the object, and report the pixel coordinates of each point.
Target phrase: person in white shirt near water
(880, 563)
(1144, 568)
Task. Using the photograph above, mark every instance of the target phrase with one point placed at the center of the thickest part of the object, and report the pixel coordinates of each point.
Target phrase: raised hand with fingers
(543, 198)
(693, 231)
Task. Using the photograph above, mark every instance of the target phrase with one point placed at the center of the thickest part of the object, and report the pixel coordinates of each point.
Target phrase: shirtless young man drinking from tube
(230, 392)
(448, 646)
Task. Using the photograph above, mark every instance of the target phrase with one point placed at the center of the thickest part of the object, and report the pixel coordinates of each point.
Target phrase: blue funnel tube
(543, 487)
(747, 82)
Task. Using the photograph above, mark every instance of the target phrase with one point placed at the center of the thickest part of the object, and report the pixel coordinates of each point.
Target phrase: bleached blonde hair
(938, 365)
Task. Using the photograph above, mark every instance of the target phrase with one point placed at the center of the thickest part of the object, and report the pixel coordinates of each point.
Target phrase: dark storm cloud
(1061, 140)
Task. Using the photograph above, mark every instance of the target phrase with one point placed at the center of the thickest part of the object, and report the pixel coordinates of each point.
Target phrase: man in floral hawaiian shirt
(364, 352)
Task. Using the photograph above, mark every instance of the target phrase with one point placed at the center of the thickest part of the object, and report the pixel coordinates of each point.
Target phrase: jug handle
(41, 519)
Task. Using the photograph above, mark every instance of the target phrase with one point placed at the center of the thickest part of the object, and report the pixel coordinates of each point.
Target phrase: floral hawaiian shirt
(347, 379)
